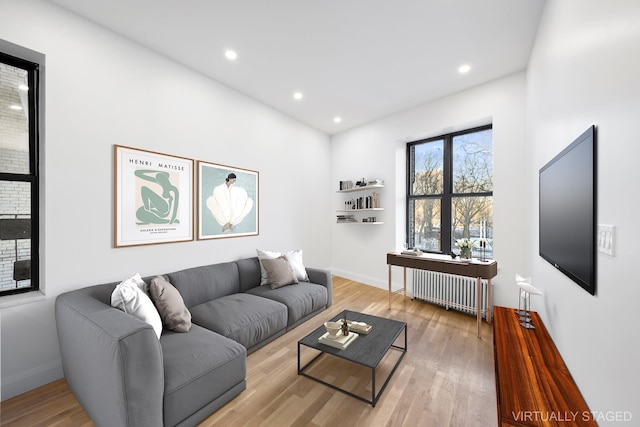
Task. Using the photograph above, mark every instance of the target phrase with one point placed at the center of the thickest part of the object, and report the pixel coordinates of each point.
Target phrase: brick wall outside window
(15, 197)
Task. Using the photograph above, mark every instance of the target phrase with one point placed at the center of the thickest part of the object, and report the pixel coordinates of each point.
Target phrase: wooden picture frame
(228, 201)
(153, 197)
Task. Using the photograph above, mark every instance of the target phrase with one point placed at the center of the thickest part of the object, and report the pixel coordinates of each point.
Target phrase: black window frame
(32, 62)
(447, 194)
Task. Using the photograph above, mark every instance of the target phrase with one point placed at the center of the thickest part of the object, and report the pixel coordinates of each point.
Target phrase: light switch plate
(606, 239)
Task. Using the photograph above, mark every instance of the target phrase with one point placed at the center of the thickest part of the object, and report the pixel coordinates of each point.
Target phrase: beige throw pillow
(175, 315)
(294, 258)
(262, 255)
(279, 272)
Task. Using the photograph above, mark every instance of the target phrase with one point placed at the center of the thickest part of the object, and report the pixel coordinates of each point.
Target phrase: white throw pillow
(129, 297)
(144, 287)
(294, 258)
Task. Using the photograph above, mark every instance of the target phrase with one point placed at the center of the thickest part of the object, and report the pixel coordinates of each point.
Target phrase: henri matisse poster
(153, 197)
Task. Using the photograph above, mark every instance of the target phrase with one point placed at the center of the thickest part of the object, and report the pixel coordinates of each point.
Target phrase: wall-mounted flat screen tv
(568, 211)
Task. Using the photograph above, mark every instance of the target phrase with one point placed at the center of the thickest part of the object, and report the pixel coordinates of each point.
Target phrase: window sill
(20, 299)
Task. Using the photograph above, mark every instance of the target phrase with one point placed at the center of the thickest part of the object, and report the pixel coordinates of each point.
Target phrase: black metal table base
(374, 396)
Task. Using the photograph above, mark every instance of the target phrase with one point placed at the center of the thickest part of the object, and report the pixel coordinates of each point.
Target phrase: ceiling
(357, 59)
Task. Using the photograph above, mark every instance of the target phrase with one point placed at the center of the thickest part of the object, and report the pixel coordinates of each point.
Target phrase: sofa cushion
(175, 315)
(301, 299)
(279, 272)
(130, 297)
(244, 318)
(202, 284)
(199, 366)
(249, 272)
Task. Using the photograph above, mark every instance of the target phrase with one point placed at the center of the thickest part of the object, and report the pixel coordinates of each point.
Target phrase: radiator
(449, 291)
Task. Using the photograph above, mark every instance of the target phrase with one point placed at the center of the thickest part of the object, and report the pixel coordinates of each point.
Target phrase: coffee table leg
(373, 387)
(403, 351)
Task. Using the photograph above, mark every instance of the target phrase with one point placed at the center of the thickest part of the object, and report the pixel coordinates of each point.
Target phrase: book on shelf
(345, 218)
(341, 341)
(346, 185)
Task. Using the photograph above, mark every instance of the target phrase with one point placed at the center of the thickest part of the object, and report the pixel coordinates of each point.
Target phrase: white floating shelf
(366, 187)
(360, 222)
(361, 210)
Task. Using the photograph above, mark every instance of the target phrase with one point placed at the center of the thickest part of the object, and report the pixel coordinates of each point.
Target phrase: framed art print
(228, 201)
(153, 197)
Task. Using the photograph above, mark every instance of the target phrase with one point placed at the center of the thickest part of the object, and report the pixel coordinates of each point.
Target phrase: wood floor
(446, 378)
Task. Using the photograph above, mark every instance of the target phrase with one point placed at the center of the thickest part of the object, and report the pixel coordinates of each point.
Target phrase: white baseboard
(367, 280)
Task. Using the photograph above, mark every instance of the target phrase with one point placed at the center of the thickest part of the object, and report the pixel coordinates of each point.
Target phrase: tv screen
(568, 211)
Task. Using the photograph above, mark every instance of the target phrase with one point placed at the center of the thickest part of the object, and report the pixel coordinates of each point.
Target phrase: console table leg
(489, 302)
(389, 286)
(405, 282)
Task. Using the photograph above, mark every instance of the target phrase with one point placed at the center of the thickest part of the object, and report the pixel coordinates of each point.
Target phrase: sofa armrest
(322, 277)
(112, 361)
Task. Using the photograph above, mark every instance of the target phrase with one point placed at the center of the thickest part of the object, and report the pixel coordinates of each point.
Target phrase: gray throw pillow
(175, 315)
(279, 272)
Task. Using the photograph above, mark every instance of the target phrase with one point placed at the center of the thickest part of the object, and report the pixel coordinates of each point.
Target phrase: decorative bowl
(333, 327)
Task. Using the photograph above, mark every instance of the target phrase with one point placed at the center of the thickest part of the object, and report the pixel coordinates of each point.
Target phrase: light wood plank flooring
(446, 378)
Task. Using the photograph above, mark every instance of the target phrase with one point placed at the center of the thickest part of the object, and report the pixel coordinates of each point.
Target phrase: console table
(445, 264)
(533, 385)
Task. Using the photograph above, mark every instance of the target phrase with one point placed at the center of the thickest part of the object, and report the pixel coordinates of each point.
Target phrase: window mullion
(445, 244)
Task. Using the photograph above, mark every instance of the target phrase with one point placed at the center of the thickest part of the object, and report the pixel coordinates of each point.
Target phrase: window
(450, 191)
(19, 140)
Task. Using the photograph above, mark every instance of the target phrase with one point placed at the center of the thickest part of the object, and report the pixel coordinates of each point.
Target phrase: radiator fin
(449, 290)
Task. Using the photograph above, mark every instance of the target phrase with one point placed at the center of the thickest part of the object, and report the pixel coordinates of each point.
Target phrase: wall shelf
(361, 210)
(360, 222)
(364, 204)
(365, 187)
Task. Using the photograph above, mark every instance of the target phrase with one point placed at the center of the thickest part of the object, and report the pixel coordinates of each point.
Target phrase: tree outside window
(450, 191)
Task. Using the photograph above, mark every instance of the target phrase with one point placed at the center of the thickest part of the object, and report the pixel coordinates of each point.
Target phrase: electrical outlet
(606, 239)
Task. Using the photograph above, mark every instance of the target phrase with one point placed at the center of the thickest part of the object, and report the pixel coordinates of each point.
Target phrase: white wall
(378, 151)
(584, 70)
(104, 90)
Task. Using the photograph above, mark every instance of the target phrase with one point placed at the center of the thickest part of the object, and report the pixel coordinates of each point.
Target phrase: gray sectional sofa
(123, 375)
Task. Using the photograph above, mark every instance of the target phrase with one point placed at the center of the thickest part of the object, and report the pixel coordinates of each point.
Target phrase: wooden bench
(533, 385)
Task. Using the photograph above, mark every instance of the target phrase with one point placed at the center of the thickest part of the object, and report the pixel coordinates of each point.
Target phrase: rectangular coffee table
(367, 350)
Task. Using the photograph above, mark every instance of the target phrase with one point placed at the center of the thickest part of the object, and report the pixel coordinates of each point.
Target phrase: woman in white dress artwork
(229, 204)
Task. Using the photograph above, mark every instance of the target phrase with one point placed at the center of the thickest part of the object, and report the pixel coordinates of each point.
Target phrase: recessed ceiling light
(15, 107)
(231, 55)
(464, 69)
(337, 119)
(298, 95)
